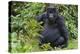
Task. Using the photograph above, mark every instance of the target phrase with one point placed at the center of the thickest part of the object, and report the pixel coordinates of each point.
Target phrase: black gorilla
(54, 31)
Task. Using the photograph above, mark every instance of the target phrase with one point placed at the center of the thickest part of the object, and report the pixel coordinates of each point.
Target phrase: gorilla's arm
(40, 17)
(63, 29)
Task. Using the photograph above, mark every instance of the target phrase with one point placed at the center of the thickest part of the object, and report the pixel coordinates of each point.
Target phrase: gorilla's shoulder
(44, 15)
(60, 17)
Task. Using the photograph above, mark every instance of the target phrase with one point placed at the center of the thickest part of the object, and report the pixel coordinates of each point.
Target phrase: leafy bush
(70, 13)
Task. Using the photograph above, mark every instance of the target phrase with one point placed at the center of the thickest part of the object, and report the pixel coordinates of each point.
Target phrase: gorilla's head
(52, 14)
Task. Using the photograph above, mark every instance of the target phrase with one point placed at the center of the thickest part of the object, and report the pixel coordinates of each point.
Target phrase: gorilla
(55, 31)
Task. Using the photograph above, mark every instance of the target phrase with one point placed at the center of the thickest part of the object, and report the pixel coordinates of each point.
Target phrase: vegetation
(24, 28)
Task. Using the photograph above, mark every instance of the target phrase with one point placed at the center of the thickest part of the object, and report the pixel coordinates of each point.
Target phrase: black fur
(55, 31)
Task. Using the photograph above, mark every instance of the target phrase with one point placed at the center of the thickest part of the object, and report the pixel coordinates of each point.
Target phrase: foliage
(70, 13)
(25, 29)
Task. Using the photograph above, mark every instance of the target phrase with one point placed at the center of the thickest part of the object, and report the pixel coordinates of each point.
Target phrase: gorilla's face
(52, 14)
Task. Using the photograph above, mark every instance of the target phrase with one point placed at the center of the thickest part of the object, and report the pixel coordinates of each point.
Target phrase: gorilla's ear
(55, 10)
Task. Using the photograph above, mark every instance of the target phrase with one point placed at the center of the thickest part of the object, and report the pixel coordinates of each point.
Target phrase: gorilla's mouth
(51, 19)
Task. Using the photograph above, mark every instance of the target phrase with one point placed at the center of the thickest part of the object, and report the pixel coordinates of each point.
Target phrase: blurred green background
(24, 28)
